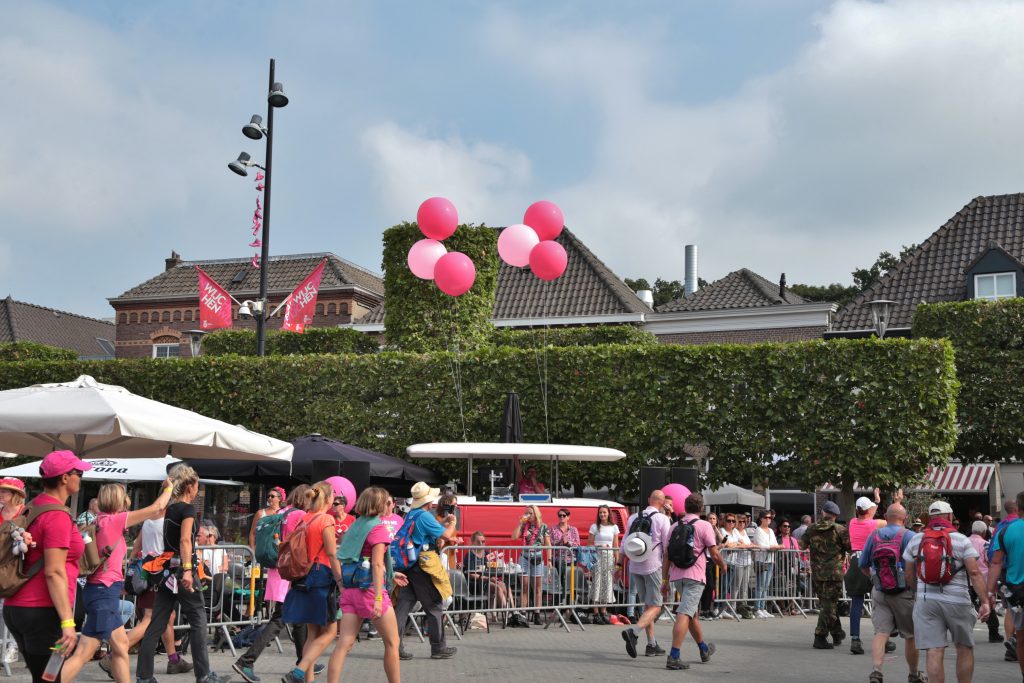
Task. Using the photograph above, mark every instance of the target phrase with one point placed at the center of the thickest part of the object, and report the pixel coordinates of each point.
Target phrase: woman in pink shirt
(102, 593)
(860, 528)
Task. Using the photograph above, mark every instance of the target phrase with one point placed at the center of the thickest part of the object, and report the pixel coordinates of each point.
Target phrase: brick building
(153, 318)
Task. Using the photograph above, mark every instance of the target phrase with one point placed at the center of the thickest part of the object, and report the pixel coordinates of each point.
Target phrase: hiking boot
(404, 654)
(855, 647)
(1011, 649)
(705, 655)
(821, 643)
(916, 677)
(676, 664)
(105, 665)
(653, 651)
(995, 637)
(178, 667)
(837, 638)
(890, 646)
(246, 673)
(875, 677)
(630, 638)
(446, 653)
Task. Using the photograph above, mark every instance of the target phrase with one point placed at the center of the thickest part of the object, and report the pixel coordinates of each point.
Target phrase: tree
(834, 292)
(865, 277)
(664, 290)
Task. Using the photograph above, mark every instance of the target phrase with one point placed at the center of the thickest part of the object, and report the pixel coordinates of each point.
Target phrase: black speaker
(651, 478)
(358, 473)
(322, 469)
(687, 476)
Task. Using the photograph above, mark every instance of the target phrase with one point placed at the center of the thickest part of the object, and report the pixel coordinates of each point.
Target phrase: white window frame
(175, 345)
(995, 278)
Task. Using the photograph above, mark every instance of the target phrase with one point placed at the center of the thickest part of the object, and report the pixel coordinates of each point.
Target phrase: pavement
(766, 651)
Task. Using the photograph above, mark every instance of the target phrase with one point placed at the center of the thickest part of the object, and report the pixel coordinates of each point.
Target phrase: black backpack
(680, 546)
(642, 524)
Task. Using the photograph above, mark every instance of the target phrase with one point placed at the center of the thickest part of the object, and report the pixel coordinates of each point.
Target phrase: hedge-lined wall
(988, 337)
(846, 410)
(18, 351)
(571, 336)
(313, 340)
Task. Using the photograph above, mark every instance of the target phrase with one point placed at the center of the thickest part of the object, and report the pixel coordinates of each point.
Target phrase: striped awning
(954, 478)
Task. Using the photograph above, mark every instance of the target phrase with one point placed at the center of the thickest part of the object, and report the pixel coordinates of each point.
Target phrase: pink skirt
(277, 588)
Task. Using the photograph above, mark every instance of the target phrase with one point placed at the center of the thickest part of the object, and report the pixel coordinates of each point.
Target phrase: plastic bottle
(55, 663)
(366, 563)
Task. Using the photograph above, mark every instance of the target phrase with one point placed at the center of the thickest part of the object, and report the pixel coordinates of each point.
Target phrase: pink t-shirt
(393, 523)
(703, 538)
(110, 532)
(860, 530)
(54, 529)
(379, 534)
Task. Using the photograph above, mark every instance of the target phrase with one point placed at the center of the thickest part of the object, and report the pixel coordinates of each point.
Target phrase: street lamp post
(881, 309)
(254, 131)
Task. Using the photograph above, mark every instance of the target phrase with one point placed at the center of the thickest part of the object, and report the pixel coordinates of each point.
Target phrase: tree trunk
(847, 499)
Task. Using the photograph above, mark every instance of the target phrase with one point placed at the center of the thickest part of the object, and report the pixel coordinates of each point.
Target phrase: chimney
(646, 295)
(172, 262)
(690, 269)
(782, 285)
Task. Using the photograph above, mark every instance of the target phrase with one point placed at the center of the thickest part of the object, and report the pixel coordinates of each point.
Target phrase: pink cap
(61, 462)
(12, 484)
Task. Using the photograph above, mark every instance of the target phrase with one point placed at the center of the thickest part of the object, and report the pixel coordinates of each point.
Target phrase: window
(133, 317)
(995, 286)
(122, 318)
(166, 350)
(145, 316)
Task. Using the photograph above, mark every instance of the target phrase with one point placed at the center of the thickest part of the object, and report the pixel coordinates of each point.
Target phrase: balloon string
(451, 341)
(542, 358)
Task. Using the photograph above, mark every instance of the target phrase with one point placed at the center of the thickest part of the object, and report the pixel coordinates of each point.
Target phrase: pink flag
(302, 303)
(214, 303)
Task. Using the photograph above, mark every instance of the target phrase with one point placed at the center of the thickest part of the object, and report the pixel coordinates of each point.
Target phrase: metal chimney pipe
(646, 295)
(690, 269)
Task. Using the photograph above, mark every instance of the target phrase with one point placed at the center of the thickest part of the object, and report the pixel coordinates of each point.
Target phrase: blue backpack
(405, 553)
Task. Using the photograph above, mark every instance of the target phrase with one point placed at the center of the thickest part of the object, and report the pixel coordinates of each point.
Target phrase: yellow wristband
(378, 598)
(186, 566)
(168, 489)
(67, 623)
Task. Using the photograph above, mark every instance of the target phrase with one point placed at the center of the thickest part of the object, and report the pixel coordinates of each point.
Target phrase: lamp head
(277, 98)
(240, 164)
(244, 311)
(254, 130)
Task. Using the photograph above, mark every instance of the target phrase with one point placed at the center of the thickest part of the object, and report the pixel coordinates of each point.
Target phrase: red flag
(214, 303)
(302, 302)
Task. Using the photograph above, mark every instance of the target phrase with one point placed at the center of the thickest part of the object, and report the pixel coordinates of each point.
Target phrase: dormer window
(994, 286)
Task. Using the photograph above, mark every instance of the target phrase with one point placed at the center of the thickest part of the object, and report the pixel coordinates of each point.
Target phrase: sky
(777, 135)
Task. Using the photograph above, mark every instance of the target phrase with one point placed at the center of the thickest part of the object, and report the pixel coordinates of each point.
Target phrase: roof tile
(739, 289)
(20, 321)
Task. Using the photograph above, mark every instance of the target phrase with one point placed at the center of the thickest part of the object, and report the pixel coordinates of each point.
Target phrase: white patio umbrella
(101, 420)
(129, 470)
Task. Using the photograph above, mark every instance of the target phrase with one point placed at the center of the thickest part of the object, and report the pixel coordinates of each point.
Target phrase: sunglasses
(785, 526)
(273, 495)
(339, 501)
(562, 514)
(730, 521)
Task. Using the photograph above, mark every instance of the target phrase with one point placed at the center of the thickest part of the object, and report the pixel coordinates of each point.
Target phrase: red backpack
(935, 562)
(293, 560)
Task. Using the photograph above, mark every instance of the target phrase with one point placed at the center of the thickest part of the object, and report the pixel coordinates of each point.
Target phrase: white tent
(127, 470)
(730, 494)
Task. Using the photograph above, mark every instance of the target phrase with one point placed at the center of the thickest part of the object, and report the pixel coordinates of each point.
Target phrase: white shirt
(765, 538)
(152, 537)
(737, 556)
(956, 590)
(603, 536)
(214, 559)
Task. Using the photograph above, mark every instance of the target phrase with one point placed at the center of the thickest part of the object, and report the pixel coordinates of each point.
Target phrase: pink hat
(12, 484)
(61, 462)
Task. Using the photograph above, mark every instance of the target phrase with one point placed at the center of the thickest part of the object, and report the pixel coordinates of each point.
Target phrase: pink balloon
(437, 218)
(423, 257)
(454, 273)
(515, 244)
(343, 487)
(546, 219)
(548, 260)
(678, 493)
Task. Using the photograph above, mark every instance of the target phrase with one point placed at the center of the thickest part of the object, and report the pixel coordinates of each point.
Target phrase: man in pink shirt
(646, 552)
(689, 582)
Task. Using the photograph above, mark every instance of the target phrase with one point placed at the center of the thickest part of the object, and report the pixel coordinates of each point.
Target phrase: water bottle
(412, 553)
(366, 564)
(55, 663)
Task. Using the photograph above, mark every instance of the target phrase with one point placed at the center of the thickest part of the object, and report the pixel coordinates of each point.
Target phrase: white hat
(865, 503)
(940, 507)
(422, 495)
(638, 546)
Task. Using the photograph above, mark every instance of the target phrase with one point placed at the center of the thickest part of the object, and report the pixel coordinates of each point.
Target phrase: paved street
(764, 651)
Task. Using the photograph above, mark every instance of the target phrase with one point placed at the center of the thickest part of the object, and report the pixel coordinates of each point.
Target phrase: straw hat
(422, 495)
(12, 484)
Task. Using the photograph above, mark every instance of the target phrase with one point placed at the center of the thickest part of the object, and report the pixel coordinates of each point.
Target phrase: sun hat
(917, 522)
(12, 484)
(638, 546)
(940, 507)
(422, 495)
(61, 462)
(865, 503)
(830, 507)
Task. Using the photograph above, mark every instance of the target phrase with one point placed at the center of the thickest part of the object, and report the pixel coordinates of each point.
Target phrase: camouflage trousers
(829, 593)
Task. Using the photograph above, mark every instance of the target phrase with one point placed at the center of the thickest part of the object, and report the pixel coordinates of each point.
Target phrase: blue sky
(782, 135)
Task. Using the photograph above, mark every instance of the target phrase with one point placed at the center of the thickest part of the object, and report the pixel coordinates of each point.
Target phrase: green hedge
(973, 324)
(571, 336)
(19, 351)
(843, 410)
(420, 317)
(313, 340)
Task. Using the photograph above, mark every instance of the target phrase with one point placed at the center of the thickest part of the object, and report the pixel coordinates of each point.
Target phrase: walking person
(829, 544)
(313, 600)
(102, 592)
(645, 546)
(689, 581)
(1008, 562)
(1011, 510)
(943, 602)
(764, 561)
(892, 599)
(40, 615)
(368, 539)
(180, 589)
(535, 535)
(980, 539)
(12, 498)
(857, 586)
(604, 536)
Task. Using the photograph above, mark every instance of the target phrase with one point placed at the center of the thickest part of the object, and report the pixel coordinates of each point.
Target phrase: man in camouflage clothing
(829, 544)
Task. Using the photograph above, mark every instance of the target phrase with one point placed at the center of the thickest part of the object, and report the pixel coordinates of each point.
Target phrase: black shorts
(35, 629)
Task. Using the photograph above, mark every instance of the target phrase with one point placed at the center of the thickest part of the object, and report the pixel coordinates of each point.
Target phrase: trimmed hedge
(19, 351)
(419, 317)
(843, 410)
(973, 324)
(571, 336)
(313, 340)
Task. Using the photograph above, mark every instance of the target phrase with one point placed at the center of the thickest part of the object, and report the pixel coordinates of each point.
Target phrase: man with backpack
(1011, 510)
(939, 561)
(829, 544)
(892, 600)
(685, 567)
(645, 545)
(1007, 566)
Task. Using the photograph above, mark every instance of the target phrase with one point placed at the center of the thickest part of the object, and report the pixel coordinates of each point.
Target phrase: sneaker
(855, 647)
(820, 643)
(179, 667)
(1010, 656)
(767, 614)
(1011, 649)
(890, 646)
(372, 633)
(291, 677)
(105, 665)
(404, 654)
(653, 651)
(630, 638)
(246, 673)
(446, 653)
(875, 677)
(705, 655)
(213, 677)
(916, 677)
(319, 669)
(995, 637)
(676, 664)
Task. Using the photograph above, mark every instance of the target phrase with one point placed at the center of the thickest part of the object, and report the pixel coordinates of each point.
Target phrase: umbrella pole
(469, 476)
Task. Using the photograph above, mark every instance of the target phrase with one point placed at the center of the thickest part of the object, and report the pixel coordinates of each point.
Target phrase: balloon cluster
(452, 271)
(532, 242)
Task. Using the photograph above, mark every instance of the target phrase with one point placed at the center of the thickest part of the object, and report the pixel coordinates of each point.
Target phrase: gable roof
(587, 288)
(239, 277)
(935, 271)
(739, 289)
(88, 337)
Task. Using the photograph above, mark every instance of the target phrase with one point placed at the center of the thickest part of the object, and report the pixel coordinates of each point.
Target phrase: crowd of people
(338, 573)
